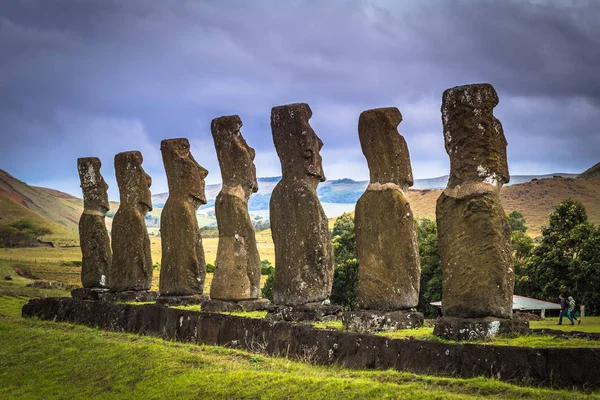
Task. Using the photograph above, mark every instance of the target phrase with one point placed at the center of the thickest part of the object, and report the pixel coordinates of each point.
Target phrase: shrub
(267, 290)
(210, 268)
(266, 268)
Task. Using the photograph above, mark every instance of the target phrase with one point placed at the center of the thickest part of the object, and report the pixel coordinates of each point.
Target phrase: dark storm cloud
(81, 78)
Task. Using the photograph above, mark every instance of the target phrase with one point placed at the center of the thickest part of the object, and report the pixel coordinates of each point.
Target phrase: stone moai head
(384, 148)
(473, 137)
(236, 158)
(185, 176)
(134, 183)
(95, 195)
(296, 143)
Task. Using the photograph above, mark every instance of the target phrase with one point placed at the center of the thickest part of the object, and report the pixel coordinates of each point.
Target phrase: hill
(49, 208)
(533, 195)
(591, 174)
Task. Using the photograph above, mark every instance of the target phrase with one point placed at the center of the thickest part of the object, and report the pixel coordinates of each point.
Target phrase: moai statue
(478, 275)
(93, 235)
(386, 238)
(303, 253)
(236, 281)
(132, 262)
(183, 267)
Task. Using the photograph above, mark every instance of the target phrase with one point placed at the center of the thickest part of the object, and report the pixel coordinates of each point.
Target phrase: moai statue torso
(183, 267)
(237, 268)
(303, 253)
(93, 235)
(132, 261)
(478, 276)
(386, 237)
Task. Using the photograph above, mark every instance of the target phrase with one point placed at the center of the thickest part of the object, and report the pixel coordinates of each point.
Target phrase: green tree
(522, 248)
(267, 290)
(431, 267)
(345, 277)
(343, 224)
(567, 260)
(517, 221)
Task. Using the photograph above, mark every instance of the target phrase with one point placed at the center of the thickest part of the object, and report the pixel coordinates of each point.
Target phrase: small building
(526, 304)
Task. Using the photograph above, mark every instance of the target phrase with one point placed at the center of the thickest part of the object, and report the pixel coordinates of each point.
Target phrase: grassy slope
(41, 359)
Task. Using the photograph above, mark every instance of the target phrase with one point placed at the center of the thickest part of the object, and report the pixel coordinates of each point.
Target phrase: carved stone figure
(303, 253)
(183, 267)
(237, 268)
(386, 239)
(478, 276)
(93, 235)
(132, 262)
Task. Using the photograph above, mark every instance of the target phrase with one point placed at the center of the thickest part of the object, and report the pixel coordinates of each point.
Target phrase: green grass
(40, 359)
(588, 324)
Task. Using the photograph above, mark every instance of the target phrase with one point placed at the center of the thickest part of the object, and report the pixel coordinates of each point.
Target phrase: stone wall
(559, 367)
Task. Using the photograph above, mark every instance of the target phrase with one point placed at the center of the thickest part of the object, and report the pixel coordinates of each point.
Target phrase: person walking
(572, 310)
(564, 310)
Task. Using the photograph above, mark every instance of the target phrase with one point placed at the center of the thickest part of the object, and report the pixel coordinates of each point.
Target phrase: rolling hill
(535, 196)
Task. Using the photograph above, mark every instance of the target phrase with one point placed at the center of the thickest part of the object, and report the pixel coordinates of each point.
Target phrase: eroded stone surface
(376, 321)
(386, 239)
(303, 253)
(235, 306)
(478, 276)
(309, 312)
(132, 261)
(93, 235)
(183, 266)
(478, 328)
(237, 266)
(183, 300)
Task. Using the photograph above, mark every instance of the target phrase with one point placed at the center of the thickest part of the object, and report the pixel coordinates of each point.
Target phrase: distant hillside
(535, 196)
(50, 208)
(591, 174)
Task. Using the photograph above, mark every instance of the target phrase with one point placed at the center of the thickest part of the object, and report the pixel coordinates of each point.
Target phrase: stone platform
(305, 312)
(478, 328)
(376, 321)
(214, 305)
(545, 366)
(182, 300)
(106, 295)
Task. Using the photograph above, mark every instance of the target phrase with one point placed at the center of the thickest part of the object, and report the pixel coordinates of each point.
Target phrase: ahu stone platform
(353, 350)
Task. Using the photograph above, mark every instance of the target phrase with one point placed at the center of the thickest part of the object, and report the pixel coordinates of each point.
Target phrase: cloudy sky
(93, 78)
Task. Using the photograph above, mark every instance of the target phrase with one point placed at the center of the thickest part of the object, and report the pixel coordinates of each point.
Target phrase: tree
(343, 224)
(567, 260)
(517, 221)
(345, 276)
(431, 267)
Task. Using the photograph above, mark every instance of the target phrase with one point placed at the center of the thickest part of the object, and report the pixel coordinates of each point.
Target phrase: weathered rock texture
(93, 235)
(478, 276)
(302, 341)
(386, 239)
(132, 261)
(303, 254)
(237, 267)
(183, 267)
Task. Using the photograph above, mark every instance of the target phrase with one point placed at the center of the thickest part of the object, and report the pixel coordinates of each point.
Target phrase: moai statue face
(134, 183)
(236, 158)
(184, 175)
(473, 137)
(297, 144)
(384, 148)
(95, 195)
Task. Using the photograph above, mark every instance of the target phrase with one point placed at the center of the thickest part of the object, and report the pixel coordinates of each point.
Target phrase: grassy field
(40, 359)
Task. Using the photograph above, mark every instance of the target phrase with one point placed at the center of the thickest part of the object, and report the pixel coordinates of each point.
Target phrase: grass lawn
(41, 359)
